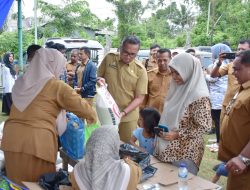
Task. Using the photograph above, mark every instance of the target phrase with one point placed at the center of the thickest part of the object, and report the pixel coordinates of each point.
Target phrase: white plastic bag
(106, 108)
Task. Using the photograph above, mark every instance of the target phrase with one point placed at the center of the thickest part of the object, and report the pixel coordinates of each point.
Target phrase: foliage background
(168, 25)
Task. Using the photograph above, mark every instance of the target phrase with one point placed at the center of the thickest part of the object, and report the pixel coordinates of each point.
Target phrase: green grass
(3, 117)
(209, 160)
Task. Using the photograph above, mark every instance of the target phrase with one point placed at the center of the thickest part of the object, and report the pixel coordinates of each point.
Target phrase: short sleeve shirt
(235, 126)
(150, 63)
(146, 143)
(124, 81)
(232, 86)
(79, 73)
(158, 85)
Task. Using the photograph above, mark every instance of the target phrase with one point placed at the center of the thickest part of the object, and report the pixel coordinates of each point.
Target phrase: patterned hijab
(102, 168)
(8, 64)
(180, 96)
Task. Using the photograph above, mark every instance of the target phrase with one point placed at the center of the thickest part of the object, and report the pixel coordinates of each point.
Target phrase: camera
(228, 55)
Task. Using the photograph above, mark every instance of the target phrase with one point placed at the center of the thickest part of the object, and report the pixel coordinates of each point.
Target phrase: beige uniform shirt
(79, 73)
(151, 64)
(235, 135)
(33, 131)
(124, 81)
(71, 72)
(232, 86)
(235, 128)
(158, 85)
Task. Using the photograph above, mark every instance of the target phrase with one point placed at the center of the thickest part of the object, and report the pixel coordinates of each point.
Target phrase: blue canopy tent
(4, 9)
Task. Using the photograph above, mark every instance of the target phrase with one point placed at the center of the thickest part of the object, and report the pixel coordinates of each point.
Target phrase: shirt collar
(246, 85)
(164, 73)
(121, 62)
(85, 63)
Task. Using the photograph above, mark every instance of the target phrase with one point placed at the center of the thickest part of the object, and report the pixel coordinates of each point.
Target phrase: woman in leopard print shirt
(187, 114)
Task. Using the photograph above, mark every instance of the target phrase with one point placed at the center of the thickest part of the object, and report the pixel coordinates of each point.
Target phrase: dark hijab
(8, 63)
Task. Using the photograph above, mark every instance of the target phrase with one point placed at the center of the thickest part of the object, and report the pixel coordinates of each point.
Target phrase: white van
(96, 49)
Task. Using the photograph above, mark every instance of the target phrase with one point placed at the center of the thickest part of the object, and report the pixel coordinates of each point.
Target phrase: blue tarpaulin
(4, 9)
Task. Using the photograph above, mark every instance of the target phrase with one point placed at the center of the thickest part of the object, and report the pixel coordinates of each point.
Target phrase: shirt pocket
(129, 80)
(111, 75)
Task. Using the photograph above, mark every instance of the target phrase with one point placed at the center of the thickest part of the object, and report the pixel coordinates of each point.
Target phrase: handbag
(52, 181)
(142, 158)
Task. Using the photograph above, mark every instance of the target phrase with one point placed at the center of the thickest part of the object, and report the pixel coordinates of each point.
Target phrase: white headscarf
(180, 96)
(102, 168)
(46, 64)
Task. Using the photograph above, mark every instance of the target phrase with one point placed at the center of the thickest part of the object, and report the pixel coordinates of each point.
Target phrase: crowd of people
(169, 91)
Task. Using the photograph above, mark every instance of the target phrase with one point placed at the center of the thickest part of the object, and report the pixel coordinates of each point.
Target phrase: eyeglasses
(124, 52)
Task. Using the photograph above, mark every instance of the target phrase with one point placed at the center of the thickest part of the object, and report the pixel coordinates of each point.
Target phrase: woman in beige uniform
(30, 135)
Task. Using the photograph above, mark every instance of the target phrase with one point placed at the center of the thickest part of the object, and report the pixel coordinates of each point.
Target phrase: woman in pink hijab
(30, 134)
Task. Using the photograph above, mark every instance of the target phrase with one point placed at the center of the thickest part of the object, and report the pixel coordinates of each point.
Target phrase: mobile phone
(160, 128)
(165, 128)
(149, 170)
(229, 55)
(157, 130)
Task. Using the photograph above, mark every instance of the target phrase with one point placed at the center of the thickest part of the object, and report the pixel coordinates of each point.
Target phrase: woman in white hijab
(30, 136)
(102, 168)
(187, 114)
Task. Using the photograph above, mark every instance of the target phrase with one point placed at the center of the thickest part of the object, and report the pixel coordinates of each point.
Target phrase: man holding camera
(227, 69)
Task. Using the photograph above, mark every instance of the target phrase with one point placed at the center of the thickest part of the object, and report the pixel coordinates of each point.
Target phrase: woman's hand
(236, 166)
(170, 136)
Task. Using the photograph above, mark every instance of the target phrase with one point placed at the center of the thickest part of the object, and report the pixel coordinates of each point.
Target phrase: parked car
(143, 54)
(205, 57)
(204, 48)
(96, 49)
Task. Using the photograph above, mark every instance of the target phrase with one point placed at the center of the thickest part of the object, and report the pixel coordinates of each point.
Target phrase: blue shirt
(146, 143)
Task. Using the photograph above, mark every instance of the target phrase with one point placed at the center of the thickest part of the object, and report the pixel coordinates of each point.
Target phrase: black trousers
(216, 118)
(7, 102)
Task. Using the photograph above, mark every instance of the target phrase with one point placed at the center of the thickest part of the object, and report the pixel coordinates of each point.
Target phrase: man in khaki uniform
(71, 66)
(151, 63)
(227, 69)
(127, 82)
(158, 81)
(235, 129)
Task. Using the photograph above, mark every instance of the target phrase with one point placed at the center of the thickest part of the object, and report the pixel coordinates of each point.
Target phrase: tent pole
(20, 36)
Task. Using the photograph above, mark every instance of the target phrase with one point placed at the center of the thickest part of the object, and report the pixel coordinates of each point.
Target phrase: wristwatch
(245, 160)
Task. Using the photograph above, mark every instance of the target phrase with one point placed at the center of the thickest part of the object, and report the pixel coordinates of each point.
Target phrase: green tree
(9, 42)
(229, 22)
(66, 19)
(128, 13)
